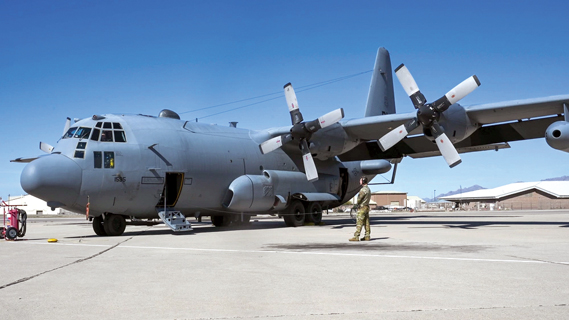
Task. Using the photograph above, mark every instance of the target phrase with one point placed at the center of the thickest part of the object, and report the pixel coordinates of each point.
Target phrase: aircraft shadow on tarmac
(340, 222)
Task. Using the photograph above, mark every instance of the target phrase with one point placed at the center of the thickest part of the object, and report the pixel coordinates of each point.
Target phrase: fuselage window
(109, 159)
(81, 145)
(107, 125)
(79, 154)
(107, 136)
(98, 159)
(82, 133)
(99, 124)
(117, 125)
(95, 135)
(70, 133)
(119, 136)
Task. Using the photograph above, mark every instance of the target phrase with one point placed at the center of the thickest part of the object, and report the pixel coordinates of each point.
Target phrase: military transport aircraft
(135, 167)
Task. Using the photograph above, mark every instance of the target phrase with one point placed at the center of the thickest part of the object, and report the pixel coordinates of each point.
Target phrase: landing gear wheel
(220, 221)
(314, 213)
(114, 224)
(11, 233)
(294, 217)
(98, 226)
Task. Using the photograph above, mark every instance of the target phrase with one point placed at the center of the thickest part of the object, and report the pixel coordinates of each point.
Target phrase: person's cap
(364, 180)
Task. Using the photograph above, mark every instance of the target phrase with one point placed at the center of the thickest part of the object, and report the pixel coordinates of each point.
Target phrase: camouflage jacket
(364, 197)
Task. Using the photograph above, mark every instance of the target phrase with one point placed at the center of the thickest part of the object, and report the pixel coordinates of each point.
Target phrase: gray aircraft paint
(381, 99)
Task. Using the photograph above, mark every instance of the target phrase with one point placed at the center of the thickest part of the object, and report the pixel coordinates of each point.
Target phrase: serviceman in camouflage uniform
(363, 213)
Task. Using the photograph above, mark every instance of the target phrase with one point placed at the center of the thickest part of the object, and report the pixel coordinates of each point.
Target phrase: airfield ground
(467, 265)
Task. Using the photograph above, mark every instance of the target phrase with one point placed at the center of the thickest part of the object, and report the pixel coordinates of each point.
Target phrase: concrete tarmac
(443, 265)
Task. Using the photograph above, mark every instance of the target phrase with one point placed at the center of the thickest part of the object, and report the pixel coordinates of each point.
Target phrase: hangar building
(543, 195)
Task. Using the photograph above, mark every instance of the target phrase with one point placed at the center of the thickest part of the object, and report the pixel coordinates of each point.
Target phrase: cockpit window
(110, 132)
(95, 135)
(82, 133)
(119, 136)
(107, 136)
(70, 133)
(109, 159)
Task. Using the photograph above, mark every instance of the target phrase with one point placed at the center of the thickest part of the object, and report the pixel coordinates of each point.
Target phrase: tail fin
(380, 99)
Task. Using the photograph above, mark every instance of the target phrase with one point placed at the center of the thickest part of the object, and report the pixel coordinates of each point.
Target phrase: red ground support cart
(14, 223)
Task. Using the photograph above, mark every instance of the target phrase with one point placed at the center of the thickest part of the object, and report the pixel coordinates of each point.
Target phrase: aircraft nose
(54, 178)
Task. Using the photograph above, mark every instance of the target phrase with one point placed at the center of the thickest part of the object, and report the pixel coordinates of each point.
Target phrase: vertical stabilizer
(380, 99)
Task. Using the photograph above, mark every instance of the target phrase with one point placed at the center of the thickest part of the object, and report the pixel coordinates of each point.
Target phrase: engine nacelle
(456, 123)
(258, 193)
(557, 135)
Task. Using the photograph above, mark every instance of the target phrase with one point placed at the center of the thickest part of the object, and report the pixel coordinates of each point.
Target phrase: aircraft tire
(98, 226)
(221, 221)
(114, 225)
(314, 213)
(295, 216)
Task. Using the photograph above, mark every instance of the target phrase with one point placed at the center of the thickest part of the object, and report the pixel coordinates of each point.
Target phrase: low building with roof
(33, 205)
(390, 199)
(542, 195)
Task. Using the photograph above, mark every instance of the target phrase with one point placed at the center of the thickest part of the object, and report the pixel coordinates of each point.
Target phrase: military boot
(365, 239)
(354, 239)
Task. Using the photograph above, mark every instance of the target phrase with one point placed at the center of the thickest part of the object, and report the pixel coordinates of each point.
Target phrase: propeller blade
(445, 146)
(309, 166)
(325, 121)
(292, 103)
(331, 118)
(394, 136)
(67, 125)
(410, 86)
(274, 143)
(47, 148)
(455, 94)
(448, 150)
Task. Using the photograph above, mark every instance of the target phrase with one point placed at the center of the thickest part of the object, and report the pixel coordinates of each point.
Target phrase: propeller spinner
(428, 114)
(301, 131)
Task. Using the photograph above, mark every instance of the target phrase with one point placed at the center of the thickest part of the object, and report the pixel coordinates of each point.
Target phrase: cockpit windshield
(82, 133)
(70, 133)
(103, 131)
(108, 132)
(75, 132)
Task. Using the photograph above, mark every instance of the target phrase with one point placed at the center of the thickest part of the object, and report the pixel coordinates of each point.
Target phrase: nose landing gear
(109, 224)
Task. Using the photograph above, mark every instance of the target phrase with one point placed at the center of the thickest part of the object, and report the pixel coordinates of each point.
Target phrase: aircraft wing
(517, 109)
(499, 123)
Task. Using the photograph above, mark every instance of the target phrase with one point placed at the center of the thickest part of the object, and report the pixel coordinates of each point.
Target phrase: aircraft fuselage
(121, 164)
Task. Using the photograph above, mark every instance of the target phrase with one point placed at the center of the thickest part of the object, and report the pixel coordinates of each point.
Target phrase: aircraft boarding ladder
(175, 220)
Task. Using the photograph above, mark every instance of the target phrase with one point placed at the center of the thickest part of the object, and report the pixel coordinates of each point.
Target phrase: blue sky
(63, 59)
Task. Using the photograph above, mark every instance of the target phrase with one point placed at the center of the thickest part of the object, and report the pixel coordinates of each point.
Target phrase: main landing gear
(298, 213)
(109, 225)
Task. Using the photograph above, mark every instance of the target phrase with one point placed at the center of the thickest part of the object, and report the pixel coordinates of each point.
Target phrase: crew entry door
(173, 184)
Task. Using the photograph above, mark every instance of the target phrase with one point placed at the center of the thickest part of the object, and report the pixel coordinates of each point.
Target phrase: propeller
(301, 131)
(46, 147)
(67, 125)
(428, 114)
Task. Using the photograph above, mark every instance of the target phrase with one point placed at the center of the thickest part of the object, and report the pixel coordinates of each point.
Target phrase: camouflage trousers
(363, 220)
